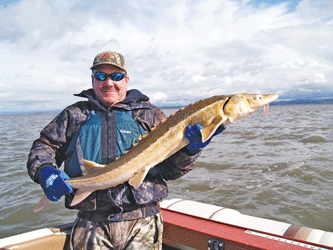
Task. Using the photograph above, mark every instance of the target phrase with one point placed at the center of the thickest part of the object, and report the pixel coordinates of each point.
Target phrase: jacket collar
(134, 99)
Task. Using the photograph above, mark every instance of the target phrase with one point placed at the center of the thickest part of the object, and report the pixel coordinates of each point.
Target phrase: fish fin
(42, 203)
(209, 130)
(89, 165)
(80, 195)
(137, 179)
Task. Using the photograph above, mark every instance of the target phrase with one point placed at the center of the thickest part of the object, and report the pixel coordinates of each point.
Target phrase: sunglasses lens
(117, 76)
(100, 76)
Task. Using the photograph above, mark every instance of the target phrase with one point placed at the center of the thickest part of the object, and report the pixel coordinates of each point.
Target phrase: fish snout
(264, 99)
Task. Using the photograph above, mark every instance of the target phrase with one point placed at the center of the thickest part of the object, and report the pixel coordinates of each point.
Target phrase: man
(101, 129)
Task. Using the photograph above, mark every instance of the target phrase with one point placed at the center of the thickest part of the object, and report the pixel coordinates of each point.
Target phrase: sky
(176, 51)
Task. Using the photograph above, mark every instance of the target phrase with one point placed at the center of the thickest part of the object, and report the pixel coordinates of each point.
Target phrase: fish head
(241, 105)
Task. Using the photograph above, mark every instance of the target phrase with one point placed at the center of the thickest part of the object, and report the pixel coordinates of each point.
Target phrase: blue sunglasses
(101, 76)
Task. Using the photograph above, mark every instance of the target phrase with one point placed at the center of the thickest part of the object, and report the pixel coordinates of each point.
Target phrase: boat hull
(194, 225)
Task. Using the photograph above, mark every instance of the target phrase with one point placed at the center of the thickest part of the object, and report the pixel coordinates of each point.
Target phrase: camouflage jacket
(121, 202)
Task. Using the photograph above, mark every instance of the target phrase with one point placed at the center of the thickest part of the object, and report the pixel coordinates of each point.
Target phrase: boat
(194, 225)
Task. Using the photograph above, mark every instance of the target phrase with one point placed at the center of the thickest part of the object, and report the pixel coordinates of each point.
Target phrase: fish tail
(42, 203)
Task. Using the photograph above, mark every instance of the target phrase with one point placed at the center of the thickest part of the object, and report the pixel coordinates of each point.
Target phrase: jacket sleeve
(176, 165)
(50, 148)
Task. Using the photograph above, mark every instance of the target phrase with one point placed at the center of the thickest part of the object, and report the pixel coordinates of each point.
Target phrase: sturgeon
(163, 141)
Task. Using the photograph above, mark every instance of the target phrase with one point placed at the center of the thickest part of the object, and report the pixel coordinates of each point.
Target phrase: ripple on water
(313, 139)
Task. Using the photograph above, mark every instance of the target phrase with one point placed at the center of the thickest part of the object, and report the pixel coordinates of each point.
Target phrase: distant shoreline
(303, 102)
(276, 103)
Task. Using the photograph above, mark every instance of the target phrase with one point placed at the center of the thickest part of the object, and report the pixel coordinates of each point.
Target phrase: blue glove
(193, 134)
(53, 183)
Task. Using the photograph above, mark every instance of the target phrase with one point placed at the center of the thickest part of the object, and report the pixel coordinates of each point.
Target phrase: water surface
(277, 167)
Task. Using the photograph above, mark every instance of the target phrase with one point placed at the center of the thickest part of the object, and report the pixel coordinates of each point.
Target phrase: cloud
(322, 9)
(176, 51)
(159, 97)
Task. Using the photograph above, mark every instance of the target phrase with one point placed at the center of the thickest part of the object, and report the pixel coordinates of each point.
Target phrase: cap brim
(106, 63)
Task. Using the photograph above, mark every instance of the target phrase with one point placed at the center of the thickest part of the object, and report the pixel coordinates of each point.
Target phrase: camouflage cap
(109, 57)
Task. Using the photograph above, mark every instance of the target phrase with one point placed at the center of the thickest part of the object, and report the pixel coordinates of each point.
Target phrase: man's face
(109, 92)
